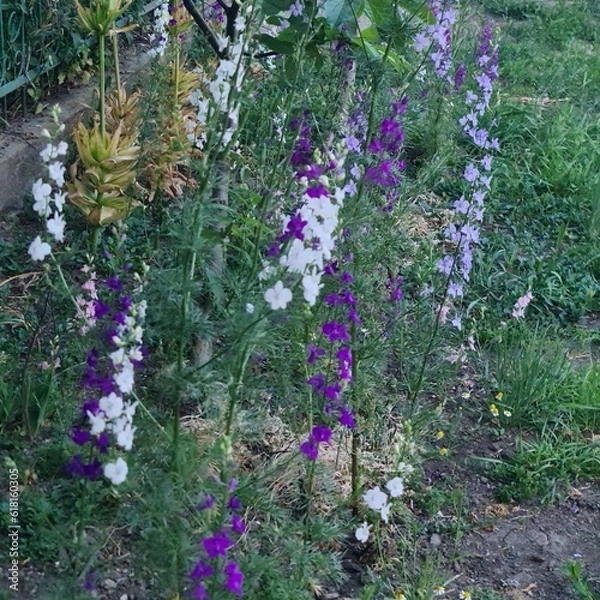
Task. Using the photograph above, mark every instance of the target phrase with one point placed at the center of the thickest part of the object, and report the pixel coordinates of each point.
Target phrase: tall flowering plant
(106, 426)
(49, 199)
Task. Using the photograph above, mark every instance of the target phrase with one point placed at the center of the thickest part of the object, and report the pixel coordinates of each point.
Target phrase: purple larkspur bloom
(207, 502)
(199, 592)
(103, 442)
(201, 570)
(80, 436)
(217, 544)
(321, 434)
(237, 524)
(101, 309)
(347, 418)
(310, 449)
(234, 503)
(314, 353)
(235, 578)
(335, 331)
(114, 283)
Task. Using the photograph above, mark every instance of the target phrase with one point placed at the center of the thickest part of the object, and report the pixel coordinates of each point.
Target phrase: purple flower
(346, 278)
(89, 582)
(237, 524)
(347, 419)
(217, 545)
(75, 466)
(207, 502)
(93, 469)
(100, 309)
(459, 77)
(294, 229)
(314, 354)
(235, 578)
(80, 436)
(353, 317)
(310, 449)
(317, 382)
(199, 592)
(103, 442)
(321, 434)
(234, 503)
(114, 284)
(335, 331)
(332, 392)
(201, 570)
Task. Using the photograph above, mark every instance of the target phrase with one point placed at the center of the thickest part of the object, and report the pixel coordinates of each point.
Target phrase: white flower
(62, 148)
(249, 308)
(278, 296)
(111, 405)
(385, 512)
(118, 356)
(41, 193)
(362, 533)
(375, 498)
(56, 171)
(116, 472)
(49, 152)
(395, 487)
(312, 286)
(97, 422)
(56, 226)
(125, 437)
(124, 379)
(59, 199)
(38, 250)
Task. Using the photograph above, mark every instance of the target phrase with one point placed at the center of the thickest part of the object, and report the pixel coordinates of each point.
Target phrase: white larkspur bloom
(395, 487)
(41, 193)
(56, 226)
(375, 498)
(385, 512)
(56, 171)
(362, 532)
(278, 296)
(116, 472)
(38, 250)
(312, 286)
(111, 405)
(59, 199)
(49, 152)
(125, 437)
(98, 423)
(249, 308)
(124, 379)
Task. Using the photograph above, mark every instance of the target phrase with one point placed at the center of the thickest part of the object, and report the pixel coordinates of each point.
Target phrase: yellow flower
(444, 451)
(494, 410)
(464, 595)
(400, 596)
(499, 396)
(439, 435)
(439, 590)
(466, 395)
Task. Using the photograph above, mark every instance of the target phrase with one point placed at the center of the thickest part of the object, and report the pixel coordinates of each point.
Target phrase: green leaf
(272, 7)
(420, 8)
(276, 44)
(341, 12)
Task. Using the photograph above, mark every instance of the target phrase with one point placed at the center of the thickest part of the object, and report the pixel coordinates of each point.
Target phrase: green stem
(102, 75)
(94, 239)
(115, 47)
